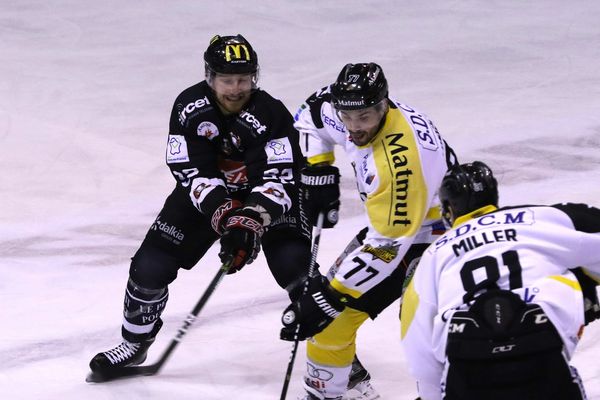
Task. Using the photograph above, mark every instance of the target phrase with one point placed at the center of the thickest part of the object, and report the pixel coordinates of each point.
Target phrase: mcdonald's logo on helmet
(233, 53)
(230, 55)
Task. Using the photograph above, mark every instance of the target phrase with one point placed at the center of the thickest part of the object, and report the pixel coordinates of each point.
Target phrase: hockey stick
(152, 369)
(311, 271)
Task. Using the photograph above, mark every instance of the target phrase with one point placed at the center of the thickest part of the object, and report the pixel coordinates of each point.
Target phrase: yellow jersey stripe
(574, 284)
(322, 158)
(410, 302)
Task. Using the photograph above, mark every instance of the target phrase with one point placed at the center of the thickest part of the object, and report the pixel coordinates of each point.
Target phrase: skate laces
(122, 352)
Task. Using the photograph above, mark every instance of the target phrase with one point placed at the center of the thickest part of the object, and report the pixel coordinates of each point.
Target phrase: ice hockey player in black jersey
(497, 305)
(234, 153)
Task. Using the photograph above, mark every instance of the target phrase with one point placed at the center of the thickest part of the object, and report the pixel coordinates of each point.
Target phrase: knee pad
(153, 268)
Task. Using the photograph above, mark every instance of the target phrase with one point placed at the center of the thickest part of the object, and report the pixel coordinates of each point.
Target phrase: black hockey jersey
(253, 156)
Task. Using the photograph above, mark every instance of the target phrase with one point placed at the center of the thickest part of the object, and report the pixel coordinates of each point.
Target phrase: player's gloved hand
(240, 241)
(320, 191)
(221, 214)
(313, 311)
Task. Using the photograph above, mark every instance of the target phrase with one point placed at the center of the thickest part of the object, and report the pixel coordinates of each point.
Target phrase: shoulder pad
(315, 102)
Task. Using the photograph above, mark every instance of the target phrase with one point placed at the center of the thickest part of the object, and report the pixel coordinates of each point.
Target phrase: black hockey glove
(241, 238)
(320, 192)
(313, 311)
(221, 214)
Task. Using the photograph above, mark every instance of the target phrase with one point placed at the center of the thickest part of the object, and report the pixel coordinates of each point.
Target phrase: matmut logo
(352, 103)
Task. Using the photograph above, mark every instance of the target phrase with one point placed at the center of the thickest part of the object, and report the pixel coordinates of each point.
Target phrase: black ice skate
(132, 351)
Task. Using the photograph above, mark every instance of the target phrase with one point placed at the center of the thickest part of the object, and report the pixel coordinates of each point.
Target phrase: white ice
(85, 94)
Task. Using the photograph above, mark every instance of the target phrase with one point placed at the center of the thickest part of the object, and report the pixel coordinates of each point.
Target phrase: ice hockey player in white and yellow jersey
(496, 306)
(399, 159)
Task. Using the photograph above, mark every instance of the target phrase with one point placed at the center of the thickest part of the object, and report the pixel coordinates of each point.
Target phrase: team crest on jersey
(237, 142)
(234, 171)
(384, 253)
(177, 151)
(279, 151)
(208, 130)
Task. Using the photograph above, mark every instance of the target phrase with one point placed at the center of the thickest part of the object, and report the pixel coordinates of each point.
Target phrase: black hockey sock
(142, 309)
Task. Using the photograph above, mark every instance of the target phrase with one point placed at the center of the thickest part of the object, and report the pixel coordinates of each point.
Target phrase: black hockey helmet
(467, 187)
(359, 86)
(230, 55)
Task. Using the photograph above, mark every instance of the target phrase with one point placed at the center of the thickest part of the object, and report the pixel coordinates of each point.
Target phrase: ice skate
(359, 385)
(129, 353)
(362, 391)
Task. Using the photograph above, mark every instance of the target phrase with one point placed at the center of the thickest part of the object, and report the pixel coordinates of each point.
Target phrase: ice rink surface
(86, 90)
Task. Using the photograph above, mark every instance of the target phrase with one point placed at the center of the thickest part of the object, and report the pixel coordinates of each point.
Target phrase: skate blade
(109, 376)
(95, 377)
(122, 373)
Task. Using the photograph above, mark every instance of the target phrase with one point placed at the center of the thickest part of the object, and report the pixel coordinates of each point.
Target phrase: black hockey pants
(180, 236)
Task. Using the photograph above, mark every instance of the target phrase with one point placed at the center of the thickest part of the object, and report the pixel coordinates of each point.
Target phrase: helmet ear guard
(466, 188)
(359, 86)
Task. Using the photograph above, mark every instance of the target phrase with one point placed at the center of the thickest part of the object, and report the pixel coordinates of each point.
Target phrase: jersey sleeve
(586, 221)
(585, 218)
(418, 316)
(192, 158)
(313, 121)
(273, 165)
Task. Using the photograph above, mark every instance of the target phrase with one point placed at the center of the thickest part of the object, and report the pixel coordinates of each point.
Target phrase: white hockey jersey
(397, 174)
(526, 249)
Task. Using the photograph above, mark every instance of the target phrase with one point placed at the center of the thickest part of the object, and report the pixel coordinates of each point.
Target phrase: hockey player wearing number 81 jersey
(497, 305)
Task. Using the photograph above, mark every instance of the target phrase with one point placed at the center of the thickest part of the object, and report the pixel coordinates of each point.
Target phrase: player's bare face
(362, 125)
(232, 91)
